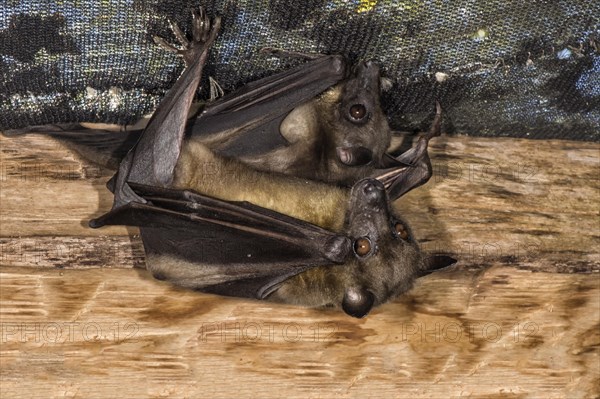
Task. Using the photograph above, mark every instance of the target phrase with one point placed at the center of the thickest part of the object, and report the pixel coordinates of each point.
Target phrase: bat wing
(153, 159)
(200, 242)
(252, 115)
(249, 250)
(412, 168)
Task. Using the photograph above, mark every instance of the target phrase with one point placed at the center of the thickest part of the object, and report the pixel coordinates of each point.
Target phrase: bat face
(387, 256)
(361, 111)
(384, 262)
(355, 128)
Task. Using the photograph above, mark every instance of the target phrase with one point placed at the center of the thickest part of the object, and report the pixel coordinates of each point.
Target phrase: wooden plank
(505, 199)
(500, 332)
(46, 189)
(517, 317)
(73, 252)
(512, 200)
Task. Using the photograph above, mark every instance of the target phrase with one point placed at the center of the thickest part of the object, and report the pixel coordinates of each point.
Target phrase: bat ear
(385, 84)
(358, 302)
(433, 263)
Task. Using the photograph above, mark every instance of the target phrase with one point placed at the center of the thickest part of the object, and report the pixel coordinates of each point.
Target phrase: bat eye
(362, 246)
(401, 231)
(357, 112)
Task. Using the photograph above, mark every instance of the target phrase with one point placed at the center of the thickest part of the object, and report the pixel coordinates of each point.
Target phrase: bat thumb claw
(436, 125)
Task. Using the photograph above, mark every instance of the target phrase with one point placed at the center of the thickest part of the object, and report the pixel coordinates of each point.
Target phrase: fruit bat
(321, 120)
(210, 222)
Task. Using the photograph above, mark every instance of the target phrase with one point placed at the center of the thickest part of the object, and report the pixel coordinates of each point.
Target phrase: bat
(211, 222)
(321, 120)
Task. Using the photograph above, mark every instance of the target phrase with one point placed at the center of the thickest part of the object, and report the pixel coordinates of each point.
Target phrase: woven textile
(498, 67)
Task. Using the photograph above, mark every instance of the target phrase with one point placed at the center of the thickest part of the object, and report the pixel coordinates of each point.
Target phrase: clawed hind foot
(203, 33)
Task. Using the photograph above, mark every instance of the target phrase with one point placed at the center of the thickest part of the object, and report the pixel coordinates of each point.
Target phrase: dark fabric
(499, 68)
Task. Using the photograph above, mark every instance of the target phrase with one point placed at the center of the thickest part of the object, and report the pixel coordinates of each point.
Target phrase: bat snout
(358, 302)
(371, 191)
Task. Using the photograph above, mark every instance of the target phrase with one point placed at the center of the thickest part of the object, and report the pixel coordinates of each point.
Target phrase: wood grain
(519, 316)
(500, 332)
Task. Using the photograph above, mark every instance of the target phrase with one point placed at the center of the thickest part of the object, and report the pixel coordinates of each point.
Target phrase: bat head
(387, 257)
(357, 130)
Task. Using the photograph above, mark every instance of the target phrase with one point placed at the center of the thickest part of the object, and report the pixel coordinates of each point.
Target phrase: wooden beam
(517, 317)
(498, 332)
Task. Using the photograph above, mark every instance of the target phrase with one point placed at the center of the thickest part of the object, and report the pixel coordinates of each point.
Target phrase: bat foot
(413, 167)
(203, 32)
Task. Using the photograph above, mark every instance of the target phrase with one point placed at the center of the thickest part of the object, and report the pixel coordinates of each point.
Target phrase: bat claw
(180, 35)
(197, 24)
(436, 126)
(165, 45)
(203, 33)
(216, 90)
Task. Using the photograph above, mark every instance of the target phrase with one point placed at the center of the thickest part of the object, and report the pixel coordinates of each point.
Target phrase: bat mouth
(354, 156)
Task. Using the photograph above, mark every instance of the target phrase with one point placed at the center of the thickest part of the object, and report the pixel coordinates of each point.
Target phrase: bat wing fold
(412, 168)
(253, 247)
(254, 112)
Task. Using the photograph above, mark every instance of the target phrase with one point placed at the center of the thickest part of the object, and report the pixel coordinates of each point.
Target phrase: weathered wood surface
(518, 317)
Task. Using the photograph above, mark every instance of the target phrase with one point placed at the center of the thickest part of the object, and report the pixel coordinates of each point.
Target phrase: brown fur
(387, 273)
(202, 171)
